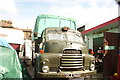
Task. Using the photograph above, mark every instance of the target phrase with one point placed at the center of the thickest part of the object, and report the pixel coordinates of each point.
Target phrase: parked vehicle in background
(9, 63)
(14, 37)
(60, 50)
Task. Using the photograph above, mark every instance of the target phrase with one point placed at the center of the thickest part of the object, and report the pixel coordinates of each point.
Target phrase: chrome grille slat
(71, 59)
(71, 67)
(71, 56)
(71, 62)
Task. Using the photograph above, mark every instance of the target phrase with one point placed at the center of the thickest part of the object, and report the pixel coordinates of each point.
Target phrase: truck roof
(59, 28)
(54, 17)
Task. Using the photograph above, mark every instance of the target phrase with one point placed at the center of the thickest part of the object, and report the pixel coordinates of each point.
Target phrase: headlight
(92, 66)
(45, 69)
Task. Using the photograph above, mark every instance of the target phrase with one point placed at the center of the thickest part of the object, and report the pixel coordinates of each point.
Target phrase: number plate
(73, 75)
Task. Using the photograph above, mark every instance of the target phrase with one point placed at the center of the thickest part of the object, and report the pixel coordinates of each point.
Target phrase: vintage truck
(60, 51)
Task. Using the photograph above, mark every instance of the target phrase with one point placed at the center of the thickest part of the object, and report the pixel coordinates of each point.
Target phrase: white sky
(87, 12)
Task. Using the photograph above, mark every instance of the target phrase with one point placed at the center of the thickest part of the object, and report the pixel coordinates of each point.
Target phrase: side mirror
(39, 40)
(85, 39)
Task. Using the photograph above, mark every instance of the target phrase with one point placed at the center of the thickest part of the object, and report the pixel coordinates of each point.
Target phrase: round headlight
(92, 66)
(45, 69)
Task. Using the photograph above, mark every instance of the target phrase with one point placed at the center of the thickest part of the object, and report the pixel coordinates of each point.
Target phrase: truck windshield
(74, 36)
(59, 35)
(55, 35)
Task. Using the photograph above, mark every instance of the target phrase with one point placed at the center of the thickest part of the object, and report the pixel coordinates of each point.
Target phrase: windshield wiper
(57, 31)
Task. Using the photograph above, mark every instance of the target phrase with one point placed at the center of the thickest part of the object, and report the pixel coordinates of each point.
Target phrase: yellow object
(115, 74)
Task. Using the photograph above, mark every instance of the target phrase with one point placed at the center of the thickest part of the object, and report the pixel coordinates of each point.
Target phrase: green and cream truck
(60, 49)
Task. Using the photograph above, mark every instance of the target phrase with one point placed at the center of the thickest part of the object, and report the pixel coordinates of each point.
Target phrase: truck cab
(62, 54)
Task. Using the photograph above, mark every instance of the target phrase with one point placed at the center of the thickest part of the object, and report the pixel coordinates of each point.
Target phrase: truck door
(111, 51)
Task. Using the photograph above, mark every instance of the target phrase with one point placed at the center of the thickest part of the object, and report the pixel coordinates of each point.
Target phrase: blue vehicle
(9, 63)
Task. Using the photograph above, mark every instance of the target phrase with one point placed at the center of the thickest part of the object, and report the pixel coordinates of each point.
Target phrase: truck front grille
(71, 59)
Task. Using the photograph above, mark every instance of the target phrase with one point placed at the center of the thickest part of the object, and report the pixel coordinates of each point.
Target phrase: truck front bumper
(74, 74)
